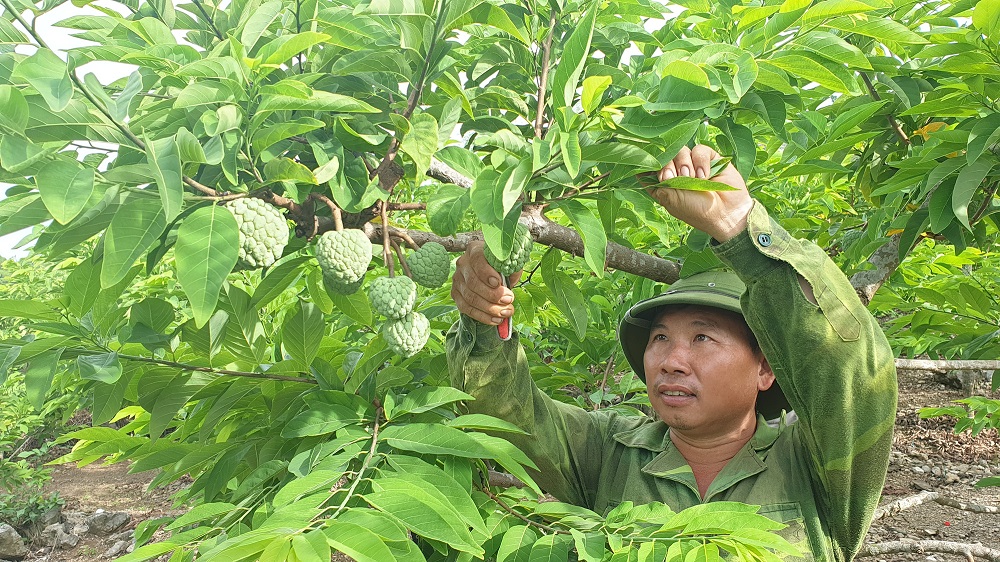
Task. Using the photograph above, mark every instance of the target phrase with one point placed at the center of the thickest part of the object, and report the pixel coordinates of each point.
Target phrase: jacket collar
(654, 436)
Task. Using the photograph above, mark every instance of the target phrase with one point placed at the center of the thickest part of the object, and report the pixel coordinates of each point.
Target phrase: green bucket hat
(716, 289)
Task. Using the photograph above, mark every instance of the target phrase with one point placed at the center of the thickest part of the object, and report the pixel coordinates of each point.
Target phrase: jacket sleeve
(563, 440)
(833, 364)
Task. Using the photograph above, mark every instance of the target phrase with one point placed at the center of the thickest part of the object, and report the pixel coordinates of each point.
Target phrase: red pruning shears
(505, 329)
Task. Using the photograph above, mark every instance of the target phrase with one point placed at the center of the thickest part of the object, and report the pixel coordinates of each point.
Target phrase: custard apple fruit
(407, 335)
(263, 231)
(343, 256)
(519, 253)
(393, 297)
(430, 265)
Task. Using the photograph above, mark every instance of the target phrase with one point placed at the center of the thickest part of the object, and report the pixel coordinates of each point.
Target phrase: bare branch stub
(922, 547)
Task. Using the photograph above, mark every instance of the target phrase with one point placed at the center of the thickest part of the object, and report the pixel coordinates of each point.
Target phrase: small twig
(386, 244)
(405, 236)
(402, 258)
(990, 191)
(364, 465)
(201, 187)
(510, 510)
(244, 374)
(921, 547)
(208, 18)
(544, 78)
(892, 119)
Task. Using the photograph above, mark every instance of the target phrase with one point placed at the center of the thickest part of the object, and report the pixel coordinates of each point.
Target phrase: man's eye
(701, 337)
(660, 337)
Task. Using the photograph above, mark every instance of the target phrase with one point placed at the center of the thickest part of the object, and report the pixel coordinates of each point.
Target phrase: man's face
(701, 373)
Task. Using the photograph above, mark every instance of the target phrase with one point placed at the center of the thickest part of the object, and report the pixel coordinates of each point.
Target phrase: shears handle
(505, 329)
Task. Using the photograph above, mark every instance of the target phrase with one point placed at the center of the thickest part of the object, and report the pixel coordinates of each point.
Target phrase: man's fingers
(701, 158)
(683, 164)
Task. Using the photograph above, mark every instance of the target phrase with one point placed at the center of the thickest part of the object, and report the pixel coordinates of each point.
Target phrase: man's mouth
(676, 393)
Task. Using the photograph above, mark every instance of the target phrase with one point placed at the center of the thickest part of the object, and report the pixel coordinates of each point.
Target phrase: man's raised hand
(720, 214)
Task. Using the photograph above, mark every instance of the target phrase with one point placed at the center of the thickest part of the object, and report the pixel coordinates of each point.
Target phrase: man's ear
(765, 376)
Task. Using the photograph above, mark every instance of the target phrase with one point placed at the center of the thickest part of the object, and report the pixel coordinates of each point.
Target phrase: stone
(936, 471)
(55, 535)
(951, 478)
(107, 522)
(117, 549)
(922, 485)
(918, 470)
(11, 544)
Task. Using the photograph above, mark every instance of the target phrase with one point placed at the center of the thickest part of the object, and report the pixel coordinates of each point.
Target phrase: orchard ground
(927, 456)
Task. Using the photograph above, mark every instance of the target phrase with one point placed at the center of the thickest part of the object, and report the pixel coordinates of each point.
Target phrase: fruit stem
(402, 259)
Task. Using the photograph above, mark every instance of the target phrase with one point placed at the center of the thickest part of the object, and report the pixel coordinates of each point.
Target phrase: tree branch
(196, 368)
(886, 259)
(943, 366)
(921, 547)
(892, 120)
(544, 78)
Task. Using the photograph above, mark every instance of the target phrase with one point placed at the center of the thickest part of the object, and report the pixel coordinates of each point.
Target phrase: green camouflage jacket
(822, 475)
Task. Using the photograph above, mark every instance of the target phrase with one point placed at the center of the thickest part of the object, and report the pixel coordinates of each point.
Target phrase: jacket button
(468, 336)
(764, 239)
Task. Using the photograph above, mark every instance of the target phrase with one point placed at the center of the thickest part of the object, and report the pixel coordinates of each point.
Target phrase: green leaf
(574, 57)
(446, 207)
(550, 548)
(356, 306)
(593, 89)
(28, 309)
(38, 377)
(66, 187)
(278, 279)
(832, 47)
(259, 21)
(493, 195)
(988, 481)
(320, 419)
(420, 142)
(969, 180)
(303, 331)
(268, 136)
(137, 223)
(418, 511)
(984, 134)
(884, 29)
(18, 155)
(206, 251)
(986, 17)
(847, 120)
(595, 240)
(427, 398)
(940, 208)
(47, 74)
(811, 70)
(515, 546)
(281, 49)
(677, 94)
(569, 299)
(589, 546)
(176, 393)
(483, 422)
(569, 145)
(411, 471)
(311, 547)
(318, 101)
(434, 439)
(833, 8)
(15, 114)
(9, 356)
(357, 542)
(619, 153)
(692, 184)
(165, 163)
(103, 367)
(199, 513)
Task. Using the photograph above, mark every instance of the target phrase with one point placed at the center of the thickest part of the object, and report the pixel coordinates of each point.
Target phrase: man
(708, 380)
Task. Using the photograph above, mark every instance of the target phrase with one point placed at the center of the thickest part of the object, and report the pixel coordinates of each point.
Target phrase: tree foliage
(869, 126)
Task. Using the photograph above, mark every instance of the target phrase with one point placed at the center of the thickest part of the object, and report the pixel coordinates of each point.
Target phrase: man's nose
(675, 358)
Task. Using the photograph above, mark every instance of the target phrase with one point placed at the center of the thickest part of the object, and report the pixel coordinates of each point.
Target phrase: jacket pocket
(790, 514)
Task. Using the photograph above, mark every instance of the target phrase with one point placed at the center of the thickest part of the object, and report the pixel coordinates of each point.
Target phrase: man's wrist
(731, 225)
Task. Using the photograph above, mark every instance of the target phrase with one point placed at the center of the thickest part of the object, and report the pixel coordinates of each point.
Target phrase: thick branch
(885, 260)
(921, 547)
(196, 368)
(901, 504)
(943, 366)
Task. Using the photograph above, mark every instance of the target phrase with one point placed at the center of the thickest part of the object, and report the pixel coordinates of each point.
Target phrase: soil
(927, 456)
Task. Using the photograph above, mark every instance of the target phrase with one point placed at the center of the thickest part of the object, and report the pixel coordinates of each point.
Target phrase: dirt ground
(927, 456)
